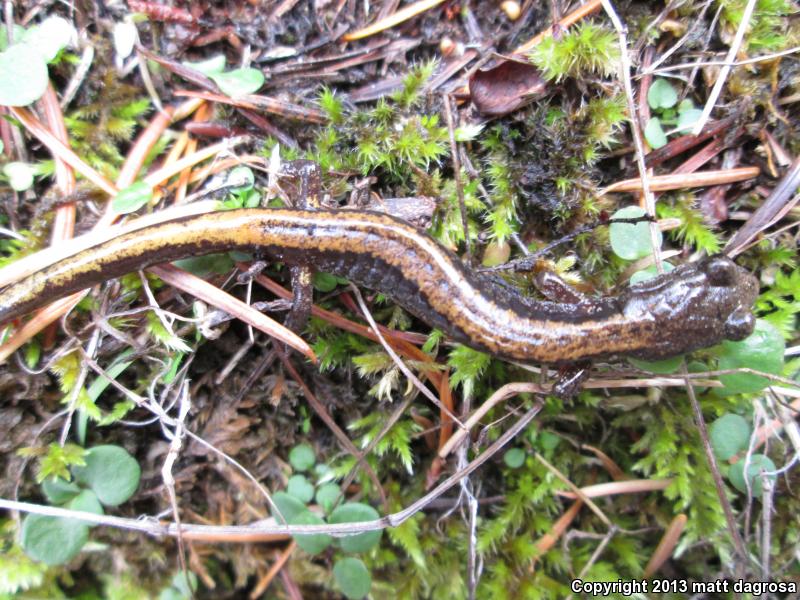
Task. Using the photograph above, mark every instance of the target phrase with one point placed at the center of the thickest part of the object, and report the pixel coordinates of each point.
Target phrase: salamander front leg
(570, 377)
(309, 197)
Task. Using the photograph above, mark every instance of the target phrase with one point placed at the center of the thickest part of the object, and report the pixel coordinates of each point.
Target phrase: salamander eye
(739, 325)
(721, 271)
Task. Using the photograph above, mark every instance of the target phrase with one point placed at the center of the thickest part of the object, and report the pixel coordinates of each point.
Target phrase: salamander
(694, 306)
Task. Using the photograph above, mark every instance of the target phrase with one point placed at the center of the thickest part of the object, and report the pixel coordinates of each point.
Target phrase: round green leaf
(50, 36)
(327, 495)
(132, 198)
(18, 33)
(323, 472)
(548, 441)
(762, 350)
(324, 282)
(302, 457)
(59, 491)
(111, 473)
(240, 178)
(661, 95)
(211, 66)
(631, 241)
(662, 367)
(312, 543)
(53, 540)
(728, 435)
(205, 266)
(300, 488)
(239, 82)
(654, 134)
(688, 118)
(757, 464)
(356, 512)
(353, 577)
(86, 501)
(20, 175)
(649, 273)
(23, 75)
(514, 458)
(288, 505)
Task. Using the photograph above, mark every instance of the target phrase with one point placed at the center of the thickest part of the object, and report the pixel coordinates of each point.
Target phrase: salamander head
(695, 306)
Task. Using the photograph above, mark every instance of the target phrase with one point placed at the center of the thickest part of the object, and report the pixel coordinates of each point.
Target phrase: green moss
(767, 29)
(585, 49)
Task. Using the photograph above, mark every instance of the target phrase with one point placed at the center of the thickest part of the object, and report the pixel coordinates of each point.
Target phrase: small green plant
(351, 574)
(763, 351)
(86, 481)
(132, 198)
(730, 436)
(583, 50)
(392, 138)
(235, 83)
(19, 175)
(693, 230)
(663, 99)
(241, 191)
(179, 588)
(100, 127)
(23, 61)
(767, 27)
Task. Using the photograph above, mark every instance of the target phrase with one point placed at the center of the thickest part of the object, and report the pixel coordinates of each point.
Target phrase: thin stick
(625, 74)
(399, 362)
(724, 71)
(156, 528)
(738, 542)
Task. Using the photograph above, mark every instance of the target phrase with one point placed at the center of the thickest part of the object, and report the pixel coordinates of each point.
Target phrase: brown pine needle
(665, 183)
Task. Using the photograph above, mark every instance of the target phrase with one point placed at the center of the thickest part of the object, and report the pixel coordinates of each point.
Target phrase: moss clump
(394, 138)
(584, 50)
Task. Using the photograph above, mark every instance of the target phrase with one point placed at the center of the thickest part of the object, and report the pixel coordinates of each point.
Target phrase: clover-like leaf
(23, 75)
(356, 512)
(111, 473)
(313, 543)
(132, 198)
(514, 458)
(762, 351)
(239, 82)
(53, 540)
(302, 457)
(287, 507)
(662, 95)
(327, 496)
(299, 487)
(756, 465)
(631, 241)
(353, 577)
(654, 133)
(729, 435)
(211, 66)
(20, 175)
(59, 491)
(50, 36)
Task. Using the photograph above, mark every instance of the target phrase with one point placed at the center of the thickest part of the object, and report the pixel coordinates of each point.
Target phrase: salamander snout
(739, 325)
(737, 290)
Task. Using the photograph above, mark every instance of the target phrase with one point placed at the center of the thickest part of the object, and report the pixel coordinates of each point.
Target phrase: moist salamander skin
(694, 306)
